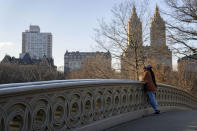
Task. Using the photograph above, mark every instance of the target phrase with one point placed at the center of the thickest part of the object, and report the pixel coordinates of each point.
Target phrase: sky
(71, 23)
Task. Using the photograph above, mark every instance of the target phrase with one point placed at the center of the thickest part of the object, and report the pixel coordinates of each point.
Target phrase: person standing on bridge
(150, 87)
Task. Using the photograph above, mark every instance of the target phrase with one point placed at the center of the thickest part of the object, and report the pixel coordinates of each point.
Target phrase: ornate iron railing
(80, 104)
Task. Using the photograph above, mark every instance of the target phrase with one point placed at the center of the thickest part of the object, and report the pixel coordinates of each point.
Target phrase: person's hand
(140, 77)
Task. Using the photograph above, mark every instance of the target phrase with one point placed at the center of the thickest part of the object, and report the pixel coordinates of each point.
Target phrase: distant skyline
(71, 23)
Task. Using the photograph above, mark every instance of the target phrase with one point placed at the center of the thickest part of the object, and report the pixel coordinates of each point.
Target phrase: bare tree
(182, 25)
(125, 45)
(14, 73)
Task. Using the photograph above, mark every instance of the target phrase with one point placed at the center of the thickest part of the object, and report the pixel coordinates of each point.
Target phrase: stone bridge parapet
(81, 104)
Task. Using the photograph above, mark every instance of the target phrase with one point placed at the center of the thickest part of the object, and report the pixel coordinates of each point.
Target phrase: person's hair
(153, 76)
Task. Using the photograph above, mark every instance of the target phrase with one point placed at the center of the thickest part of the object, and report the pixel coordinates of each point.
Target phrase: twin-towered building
(157, 52)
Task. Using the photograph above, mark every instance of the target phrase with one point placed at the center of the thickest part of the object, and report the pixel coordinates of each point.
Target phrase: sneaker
(157, 112)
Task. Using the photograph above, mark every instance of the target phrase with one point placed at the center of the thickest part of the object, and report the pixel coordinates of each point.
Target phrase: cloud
(4, 44)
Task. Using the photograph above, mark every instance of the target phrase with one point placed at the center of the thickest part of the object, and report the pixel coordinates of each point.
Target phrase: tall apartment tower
(134, 37)
(159, 50)
(35, 43)
(157, 30)
(134, 29)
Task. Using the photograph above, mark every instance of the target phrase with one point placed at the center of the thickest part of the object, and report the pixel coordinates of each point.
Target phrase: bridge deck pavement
(169, 121)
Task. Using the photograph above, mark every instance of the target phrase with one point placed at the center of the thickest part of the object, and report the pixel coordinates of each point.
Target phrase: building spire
(157, 14)
(157, 29)
(134, 11)
(156, 8)
(134, 28)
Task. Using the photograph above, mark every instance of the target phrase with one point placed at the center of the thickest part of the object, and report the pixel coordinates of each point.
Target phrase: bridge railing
(81, 104)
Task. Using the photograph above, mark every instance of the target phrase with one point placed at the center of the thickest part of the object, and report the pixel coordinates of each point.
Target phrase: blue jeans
(152, 100)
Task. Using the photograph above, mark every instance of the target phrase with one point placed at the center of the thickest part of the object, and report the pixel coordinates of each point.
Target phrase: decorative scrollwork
(66, 108)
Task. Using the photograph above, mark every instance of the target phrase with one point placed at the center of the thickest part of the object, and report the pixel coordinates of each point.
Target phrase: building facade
(188, 64)
(36, 43)
(136, 55)
(187, 72)
(75, 60)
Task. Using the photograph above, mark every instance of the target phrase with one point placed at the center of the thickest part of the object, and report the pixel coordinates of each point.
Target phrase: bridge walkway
(169, 121)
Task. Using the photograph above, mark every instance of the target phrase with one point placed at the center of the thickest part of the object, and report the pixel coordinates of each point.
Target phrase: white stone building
(36, 43)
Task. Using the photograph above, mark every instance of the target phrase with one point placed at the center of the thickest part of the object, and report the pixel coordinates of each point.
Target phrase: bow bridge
(82, 104)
